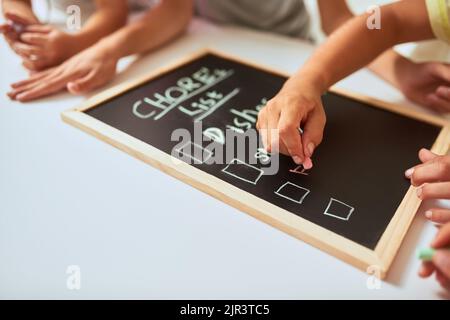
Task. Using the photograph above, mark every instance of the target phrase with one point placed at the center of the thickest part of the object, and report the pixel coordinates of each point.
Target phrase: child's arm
(348, 49)
(43, 46)
(157, 27)
(421, 83)
(109, 16)
(96, 65)
(355, 45)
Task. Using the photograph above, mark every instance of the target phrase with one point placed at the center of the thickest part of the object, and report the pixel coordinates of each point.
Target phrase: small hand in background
(440, 263)
(44, 46)
(40, 46)
(82, 73)
(14, 26)
(427, 84)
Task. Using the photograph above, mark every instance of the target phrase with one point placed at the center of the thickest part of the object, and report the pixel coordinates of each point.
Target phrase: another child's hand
(15, 23)
(44, 46)
(432, 178)
(297, 105)
(427, 84)
(83, 72)
(441, 259)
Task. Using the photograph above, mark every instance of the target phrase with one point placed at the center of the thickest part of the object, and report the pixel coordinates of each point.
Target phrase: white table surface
(67, 198)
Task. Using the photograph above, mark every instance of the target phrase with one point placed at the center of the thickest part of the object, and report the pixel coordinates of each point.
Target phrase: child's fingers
(272, 126)
(438, 190)
(39, 28)
(443, 280)
(27, 86)
(442, 70)
(437, 103)
(4, 28)
(441, 260)
(443, 92)
(35, 65)
(288, 130)
(426, 269)
(14, 17)
(442, 239)
(33, 78)
(10, 34)
(15, 92)
(41, 90)
(33, 38)
(437, 169)
(54, 83)
(261, 125)
(32, 82)
(426, 155)
(438, 215)
(313, 131)
(26, 50)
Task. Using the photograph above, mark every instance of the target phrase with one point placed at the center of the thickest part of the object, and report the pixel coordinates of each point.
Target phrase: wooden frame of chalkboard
(379, 259)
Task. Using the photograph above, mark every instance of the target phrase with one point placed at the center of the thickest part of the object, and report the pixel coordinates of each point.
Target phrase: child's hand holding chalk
(437, 259)
(298, 104)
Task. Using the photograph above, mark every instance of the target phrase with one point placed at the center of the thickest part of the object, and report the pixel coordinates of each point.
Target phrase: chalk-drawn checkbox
(339, 210)
(292, 192)
(243, 171)
(194, 152)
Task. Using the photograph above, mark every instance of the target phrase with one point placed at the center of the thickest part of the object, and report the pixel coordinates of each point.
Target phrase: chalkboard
(357, 184)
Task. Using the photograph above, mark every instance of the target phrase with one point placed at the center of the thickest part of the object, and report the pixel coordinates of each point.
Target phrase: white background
(67, 198)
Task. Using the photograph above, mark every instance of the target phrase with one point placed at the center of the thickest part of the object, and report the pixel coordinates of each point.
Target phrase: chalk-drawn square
(339, 210)
(243, 171)
(292, 192)
(194, 152)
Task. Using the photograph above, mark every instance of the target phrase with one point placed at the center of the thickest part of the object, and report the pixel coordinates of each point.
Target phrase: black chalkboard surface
(357, 183)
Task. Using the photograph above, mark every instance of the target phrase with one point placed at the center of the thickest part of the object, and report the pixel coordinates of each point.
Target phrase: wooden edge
(395, 108)
(330, 242)
(300, 228)
(394, 234)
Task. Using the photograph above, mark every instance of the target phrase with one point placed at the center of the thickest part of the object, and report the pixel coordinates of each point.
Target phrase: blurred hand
(40, 46)
(43, 46)
(297, 105)
(82, 73)
(12, 29)
(441, 259)
(427, 84)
